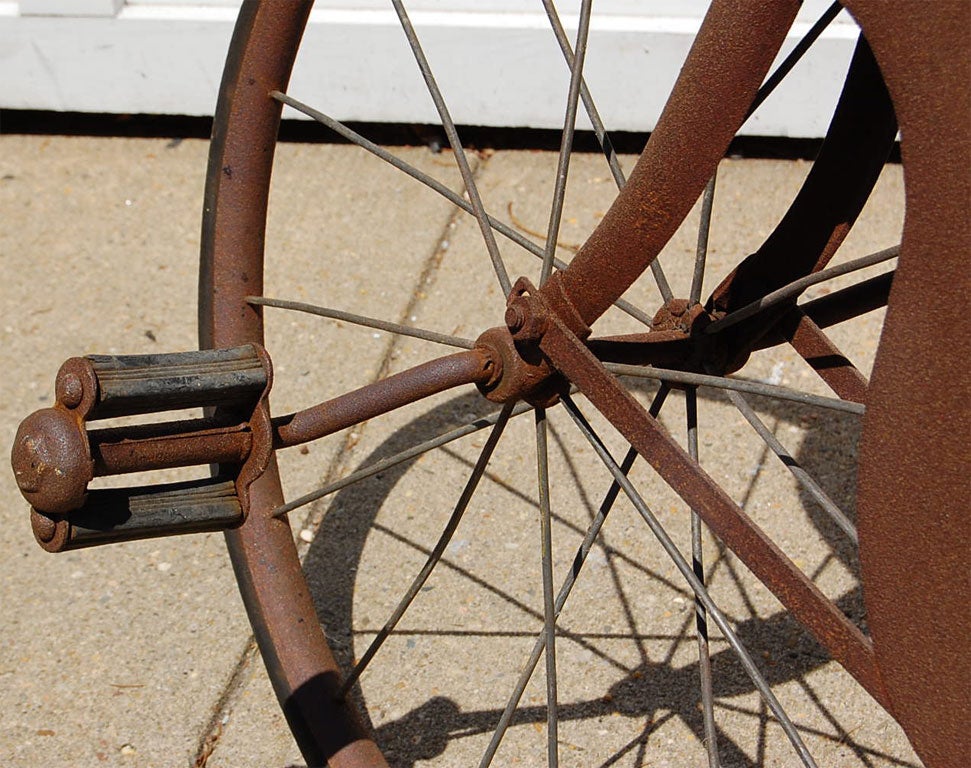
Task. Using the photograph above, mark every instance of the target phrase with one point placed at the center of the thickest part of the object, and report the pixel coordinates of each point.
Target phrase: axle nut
(526, 322)
(51, 462)
(515, 318)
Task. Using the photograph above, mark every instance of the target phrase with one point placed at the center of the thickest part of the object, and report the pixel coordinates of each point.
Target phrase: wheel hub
(683, 316)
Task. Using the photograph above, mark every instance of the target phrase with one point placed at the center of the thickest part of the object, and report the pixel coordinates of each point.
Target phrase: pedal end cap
(51, 461)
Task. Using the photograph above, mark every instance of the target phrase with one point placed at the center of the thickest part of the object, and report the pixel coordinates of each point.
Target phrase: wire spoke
(695, 583)
(593, 113)
(453, 138)
(701, 252)
(398, 458)
(436, 554)
(798, 286)
(434, 184)
(367, 322)
(573, 573)
(852, 301)
(549, 613)
(601, 133)
(736, 385)
(701, 615)
(805, 479)
(453, 197)
(697, 527)
(773, 80)
(566, 141)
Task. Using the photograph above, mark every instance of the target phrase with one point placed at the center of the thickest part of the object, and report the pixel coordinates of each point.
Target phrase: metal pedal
(55, 455)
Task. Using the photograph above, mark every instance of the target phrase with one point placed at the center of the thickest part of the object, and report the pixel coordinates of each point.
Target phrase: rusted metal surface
(301, 666)
(51, 460)
(55, 456)
(914, 526)
(915, 535)
(728, 61)
(797, 592)
(138, 448)
(737, 42)
(523, 374)
(476, 366)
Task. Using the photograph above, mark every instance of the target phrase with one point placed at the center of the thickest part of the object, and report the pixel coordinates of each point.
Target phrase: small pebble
(306, 535)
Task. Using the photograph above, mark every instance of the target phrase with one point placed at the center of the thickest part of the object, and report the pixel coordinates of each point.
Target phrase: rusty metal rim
(300, 664)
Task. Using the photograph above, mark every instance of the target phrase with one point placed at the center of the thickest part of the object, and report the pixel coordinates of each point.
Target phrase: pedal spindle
(55, 456)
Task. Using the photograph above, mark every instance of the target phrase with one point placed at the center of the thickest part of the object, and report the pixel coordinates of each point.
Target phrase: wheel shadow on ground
(427, 730)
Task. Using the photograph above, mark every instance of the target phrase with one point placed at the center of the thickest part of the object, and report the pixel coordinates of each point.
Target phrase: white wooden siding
(165, 57)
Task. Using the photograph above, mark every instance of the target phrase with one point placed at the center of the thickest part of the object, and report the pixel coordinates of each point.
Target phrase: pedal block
(128, 514)
(55, 456)
(102, 386)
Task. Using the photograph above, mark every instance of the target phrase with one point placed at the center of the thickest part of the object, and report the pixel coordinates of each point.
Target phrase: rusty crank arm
(55, 456)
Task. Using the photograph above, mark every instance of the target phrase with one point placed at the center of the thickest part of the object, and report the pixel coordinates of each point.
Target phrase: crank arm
(56, 455)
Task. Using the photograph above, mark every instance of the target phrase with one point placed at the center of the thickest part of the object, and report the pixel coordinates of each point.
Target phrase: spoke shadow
(651, 693)
(331, 562)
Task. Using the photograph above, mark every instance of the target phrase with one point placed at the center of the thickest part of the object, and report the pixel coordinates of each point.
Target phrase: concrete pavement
(140, 655)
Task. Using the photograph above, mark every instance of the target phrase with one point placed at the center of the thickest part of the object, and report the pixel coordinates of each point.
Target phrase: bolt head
(524, 321)
(70, 390)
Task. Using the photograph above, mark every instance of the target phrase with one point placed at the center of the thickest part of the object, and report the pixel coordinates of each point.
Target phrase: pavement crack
(222, 711)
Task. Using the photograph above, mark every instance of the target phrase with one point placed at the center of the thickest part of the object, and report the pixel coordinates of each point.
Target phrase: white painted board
(497, 62)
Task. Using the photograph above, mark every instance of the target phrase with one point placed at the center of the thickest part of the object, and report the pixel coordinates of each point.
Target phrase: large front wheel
(924, 84)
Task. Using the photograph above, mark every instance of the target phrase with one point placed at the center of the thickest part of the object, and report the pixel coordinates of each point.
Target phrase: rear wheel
(304, 673)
